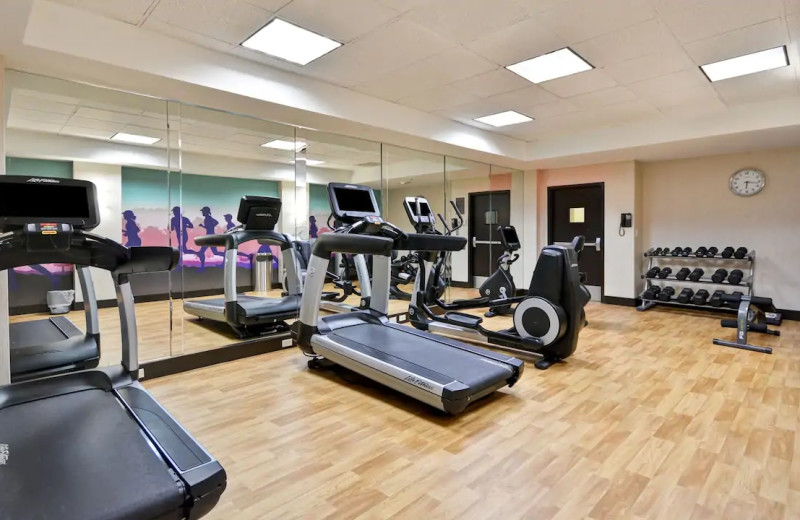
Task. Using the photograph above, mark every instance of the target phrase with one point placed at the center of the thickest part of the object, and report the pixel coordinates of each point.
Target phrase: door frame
(550, 194)
(470, 204)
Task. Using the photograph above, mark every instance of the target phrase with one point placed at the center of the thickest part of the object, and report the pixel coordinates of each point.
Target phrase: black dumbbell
(651, 293)
(716, 298)
(653, 272)
(719, 275)
(700, 297)
(727, 252)
(712, 252)
(656, 252)
(683, 273)
(686, 251)
(734, 305)
(678, 251)
(696, 274)
(701, 252)
(740, 252)
(664, 272)
(686, 295)
(665, 251)
(735, 277)
(666, 293)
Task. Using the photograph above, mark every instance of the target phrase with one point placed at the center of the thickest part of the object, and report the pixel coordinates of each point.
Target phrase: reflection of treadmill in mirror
(438, 371)
(55, 345)
(251, 315)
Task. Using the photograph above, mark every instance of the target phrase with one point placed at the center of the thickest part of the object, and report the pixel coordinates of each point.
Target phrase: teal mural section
(38, 167)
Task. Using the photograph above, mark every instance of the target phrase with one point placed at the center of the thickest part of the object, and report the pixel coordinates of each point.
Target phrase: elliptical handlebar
(459, 219)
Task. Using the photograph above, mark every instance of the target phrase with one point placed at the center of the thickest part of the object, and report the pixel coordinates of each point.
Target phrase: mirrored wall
(174, 174)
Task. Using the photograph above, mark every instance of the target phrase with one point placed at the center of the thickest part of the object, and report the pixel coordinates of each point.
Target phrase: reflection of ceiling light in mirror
(557, 64)
(134, 139)
(311, 162)
(281, 144)
(290, 42)
(403, 183)
(504, 119)
(747, 64)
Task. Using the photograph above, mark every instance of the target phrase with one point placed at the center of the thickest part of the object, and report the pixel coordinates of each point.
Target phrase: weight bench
(754, 315)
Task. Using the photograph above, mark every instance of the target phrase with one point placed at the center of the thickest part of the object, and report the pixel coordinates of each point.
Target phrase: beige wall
(619, 179)
(687, 202)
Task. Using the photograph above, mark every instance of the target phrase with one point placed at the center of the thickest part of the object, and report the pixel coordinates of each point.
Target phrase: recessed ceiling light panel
(290, 42)
(504, 119)
(134, 138)
(747, 64)
(554, 65)
(282, 144)
(311, 162)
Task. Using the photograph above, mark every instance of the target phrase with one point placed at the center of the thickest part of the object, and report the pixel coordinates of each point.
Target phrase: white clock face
(748, 182)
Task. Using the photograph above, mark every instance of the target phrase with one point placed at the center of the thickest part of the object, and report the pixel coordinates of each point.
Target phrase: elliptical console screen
(354, 201)
(510, 236)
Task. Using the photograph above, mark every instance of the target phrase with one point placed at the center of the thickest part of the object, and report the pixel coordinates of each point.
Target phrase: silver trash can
(59, 301)
(262, 272)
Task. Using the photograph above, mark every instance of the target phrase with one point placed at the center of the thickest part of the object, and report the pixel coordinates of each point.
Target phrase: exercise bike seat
(463, 319)
(472, 301)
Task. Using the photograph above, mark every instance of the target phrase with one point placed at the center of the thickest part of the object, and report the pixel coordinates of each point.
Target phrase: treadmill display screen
(424, 209)
(354, 201)
(44, 201)
(510, 236)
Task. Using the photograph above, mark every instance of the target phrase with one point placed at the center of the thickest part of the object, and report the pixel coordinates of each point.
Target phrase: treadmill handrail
(329, 243)
(236, 238)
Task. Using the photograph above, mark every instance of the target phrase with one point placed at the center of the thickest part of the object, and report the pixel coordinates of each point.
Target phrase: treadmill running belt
(430, 353)
(105, 460)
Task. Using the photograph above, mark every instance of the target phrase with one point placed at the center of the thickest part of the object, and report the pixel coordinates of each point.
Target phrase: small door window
(576, 215)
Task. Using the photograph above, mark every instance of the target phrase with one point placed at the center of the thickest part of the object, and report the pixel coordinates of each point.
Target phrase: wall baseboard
(615, 300)
(789, 314)
(460, 285)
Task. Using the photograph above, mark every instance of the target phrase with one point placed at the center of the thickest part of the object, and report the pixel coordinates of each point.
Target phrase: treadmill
(250, 316)
(55, 345)
(441, 372)
(92, 444)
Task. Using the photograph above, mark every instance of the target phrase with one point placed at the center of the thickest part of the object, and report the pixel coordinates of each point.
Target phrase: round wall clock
(748, 182)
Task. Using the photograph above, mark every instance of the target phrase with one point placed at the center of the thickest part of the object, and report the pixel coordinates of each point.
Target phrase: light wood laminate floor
(647, 420)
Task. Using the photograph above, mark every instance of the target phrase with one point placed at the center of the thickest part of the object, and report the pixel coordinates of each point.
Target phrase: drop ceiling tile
(230, 21)
(759, 37)
(438, 99)
(625, 44)
(792, 6)
(763, 86)
(694, 109)
(94, 124)
(603, 97)
(20, 100)
(140, 130)
(207, 130)
(68, 100)
(552, 109)
(691, 96)
(650, 66)
(491, 83)
(26, 124)
(465, 20)
(179, 33)
(714, 17)
(579, 20)
(526, 97)
(342, 20)
(37, 115)
(77, 131)
(521, 41)
(534, 7)
(396, 45)
(471, 110)
(625, 113)
(653, 88)
(106, 115)
(269, 5)
(129, 11)
(443, 68)
(581, 83)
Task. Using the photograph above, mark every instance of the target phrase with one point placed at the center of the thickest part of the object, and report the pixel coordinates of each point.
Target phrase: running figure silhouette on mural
(180, 224)
(312, 227)
(230, 224)
(209, 224)
(132, 229)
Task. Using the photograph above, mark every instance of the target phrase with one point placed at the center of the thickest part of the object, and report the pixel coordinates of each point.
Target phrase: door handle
(596, 244)
(475, 242)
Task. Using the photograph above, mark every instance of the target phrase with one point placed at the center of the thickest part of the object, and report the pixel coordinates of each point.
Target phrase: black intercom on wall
(625, 221)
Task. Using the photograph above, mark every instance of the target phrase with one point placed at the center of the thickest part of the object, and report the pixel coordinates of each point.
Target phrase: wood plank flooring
(648, 420)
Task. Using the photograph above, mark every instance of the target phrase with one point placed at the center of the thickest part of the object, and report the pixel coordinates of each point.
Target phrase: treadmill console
(509, 237)
(259, 213)
(420, 214)
(46, 200)
(351, 203)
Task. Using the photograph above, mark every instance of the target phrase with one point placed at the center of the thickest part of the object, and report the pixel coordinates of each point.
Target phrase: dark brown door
(579, 210)
(486, 212)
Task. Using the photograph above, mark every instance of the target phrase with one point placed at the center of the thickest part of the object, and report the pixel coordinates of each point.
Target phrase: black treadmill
(252, 315)
(91, 444)
(438, 371)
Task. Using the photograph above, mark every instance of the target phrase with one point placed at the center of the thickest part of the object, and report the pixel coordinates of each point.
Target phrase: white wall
(108, 179)
(5, 368)
(621, 256)
(687, 202)
(529, 231)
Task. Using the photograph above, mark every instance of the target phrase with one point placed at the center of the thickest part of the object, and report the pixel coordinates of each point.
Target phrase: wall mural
(208, 207)
(28, 285)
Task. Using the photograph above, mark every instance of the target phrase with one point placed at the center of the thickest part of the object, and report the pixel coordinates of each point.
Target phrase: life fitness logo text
(419, 382)
(37, 180)
(264, 215)
(4, 452)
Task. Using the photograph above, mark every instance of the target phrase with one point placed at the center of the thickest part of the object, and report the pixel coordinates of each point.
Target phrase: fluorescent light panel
(312, 162)
(133, 138)
(504, 119)
(557, 64)
(281, 144)
(747, 64)
(289, 42)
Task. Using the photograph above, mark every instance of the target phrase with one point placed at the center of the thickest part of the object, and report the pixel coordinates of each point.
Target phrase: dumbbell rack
(746, 285)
